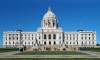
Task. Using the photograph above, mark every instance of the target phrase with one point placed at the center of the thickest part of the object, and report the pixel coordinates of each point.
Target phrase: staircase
(51, 47)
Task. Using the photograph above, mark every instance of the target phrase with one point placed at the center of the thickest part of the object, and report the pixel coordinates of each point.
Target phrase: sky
(29, 14)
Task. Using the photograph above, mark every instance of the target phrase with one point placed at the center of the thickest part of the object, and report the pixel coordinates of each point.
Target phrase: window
(16, 34)
(70, 38)
(13, 38)
(85, 42)
(89, 42)
(9, 42)
(45, 36)
(45, 43)
(70, 42)
(28, 42)
(82, 38)
(54, 43)
(81, 34)
(59, 42)
(6, 38)
(54, 36)
(93, 38)
(9, 34)
(66, 38)
(77, 38)
(77, 34)
(17, 38)
(73, 42)
(85, 38)
(89, 38)
(92, 34)
(22, 38)
(13, 42)
(25, 42)
(25, 38)
(32, 38)
(32, 42)
(32, 34)
(89, 34)
(39, 37)
(93, 42)
(77, 42)
(49, 36)
(82, 42)
(9, 38)
(59, 37)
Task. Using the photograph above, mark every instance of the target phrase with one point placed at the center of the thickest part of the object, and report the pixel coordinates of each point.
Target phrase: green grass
(93, 49)
(50, 53)
(8, 49)
(49, 58)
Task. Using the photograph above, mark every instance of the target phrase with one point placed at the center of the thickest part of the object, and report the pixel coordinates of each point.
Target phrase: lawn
(49, 58)
(50, 53)
(8, 49)
(93, 49)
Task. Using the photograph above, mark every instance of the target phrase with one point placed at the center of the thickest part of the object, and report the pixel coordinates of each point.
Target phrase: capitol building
(49, 35)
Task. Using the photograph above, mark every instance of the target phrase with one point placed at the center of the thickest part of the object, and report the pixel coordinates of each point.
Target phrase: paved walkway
(10, 55)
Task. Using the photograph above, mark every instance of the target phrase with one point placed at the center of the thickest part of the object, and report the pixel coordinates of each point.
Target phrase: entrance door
(49, 42)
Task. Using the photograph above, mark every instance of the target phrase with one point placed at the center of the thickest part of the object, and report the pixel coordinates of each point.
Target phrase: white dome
(49, 14)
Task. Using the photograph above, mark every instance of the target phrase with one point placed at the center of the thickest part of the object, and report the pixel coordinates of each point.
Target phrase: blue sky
(68, 12)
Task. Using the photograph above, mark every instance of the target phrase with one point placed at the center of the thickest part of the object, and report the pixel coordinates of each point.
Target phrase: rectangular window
(85, 38)
(6, 38)
(28, 42)
(25, 38)
(66, 38)
(70, 38)
(39, 37)
(17, 38)
(89, 38)
(77, 38)
(59, 37)
(93, 38)
(16, 34)
(32, 38)
(9, 38)
(92, 34)
(82, 38)
(81, 34)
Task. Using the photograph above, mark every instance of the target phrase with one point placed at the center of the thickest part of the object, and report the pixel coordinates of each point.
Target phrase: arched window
(53, 24)
(49, 42)
(54, 43)
(54, 36)
(49, 36)
(45, 43)
(45, 36)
